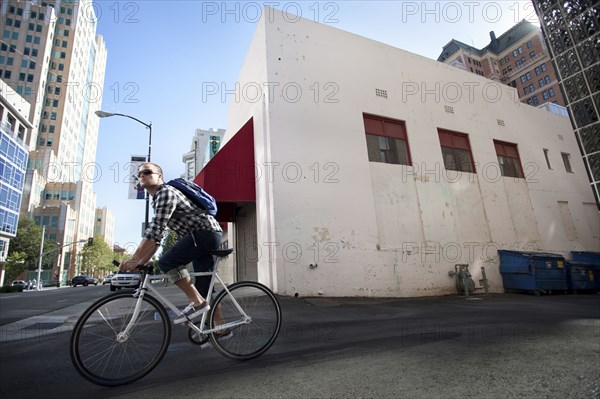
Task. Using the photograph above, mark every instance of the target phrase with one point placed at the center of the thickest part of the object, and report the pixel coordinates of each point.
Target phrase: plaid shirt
(174, 210)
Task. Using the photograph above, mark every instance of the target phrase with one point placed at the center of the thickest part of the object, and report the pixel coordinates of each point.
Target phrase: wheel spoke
(103, 359)
(248, 340)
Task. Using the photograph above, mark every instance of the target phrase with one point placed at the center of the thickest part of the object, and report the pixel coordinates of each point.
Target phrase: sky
(163, 55)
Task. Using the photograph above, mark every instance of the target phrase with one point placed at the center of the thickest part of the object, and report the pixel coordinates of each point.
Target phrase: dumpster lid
(582, 263)
(531, 254)
(586, 253)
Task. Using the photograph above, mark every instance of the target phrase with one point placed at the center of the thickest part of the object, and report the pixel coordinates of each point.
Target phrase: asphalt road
(21, 305)
(502, 346)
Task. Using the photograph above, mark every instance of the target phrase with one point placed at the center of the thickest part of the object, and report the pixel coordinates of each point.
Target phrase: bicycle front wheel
(104, 356)
(251, 339)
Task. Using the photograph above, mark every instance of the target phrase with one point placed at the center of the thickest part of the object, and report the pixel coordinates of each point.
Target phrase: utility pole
(39, 273)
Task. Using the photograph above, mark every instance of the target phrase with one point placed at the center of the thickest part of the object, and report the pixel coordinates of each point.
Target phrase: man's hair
(155, 166)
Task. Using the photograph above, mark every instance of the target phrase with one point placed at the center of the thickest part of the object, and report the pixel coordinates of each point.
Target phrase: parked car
(84, 280)
(107, 279)
(20, 283)
(125, 280)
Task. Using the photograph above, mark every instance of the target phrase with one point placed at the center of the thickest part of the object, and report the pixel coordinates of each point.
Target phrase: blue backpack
(196, 194)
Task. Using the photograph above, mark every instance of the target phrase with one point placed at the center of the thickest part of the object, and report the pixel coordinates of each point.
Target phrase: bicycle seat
(221, 253)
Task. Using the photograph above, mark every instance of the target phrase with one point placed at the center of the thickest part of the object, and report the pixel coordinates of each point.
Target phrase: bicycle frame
(147, 286)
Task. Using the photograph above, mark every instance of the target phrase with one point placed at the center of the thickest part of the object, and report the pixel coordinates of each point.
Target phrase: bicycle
(122, 337)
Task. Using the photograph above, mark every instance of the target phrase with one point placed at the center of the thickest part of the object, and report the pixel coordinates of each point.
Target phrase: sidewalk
(48, 288)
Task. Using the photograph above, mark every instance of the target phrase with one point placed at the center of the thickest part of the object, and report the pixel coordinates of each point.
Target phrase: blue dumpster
(592, 259)
(532, 271)
(581, 276)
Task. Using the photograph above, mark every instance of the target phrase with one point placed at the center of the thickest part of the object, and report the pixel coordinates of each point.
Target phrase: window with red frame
(456, 151)
(508, 159)
(386, 140)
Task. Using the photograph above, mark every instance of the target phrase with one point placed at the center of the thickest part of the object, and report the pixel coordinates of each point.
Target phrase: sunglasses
(146, 172)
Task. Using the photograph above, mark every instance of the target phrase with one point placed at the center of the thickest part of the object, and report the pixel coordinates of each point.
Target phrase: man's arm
(141, 256)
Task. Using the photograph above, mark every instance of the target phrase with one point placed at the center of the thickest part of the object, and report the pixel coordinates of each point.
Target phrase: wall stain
(322, 234)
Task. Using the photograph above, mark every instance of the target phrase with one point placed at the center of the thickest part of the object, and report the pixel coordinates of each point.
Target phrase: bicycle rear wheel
(104, 359)
(250, 340)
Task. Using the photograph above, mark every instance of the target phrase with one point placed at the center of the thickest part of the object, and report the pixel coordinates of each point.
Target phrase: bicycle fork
(123, 336)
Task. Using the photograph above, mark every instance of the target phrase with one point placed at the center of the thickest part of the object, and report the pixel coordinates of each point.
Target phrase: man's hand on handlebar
(128, 265)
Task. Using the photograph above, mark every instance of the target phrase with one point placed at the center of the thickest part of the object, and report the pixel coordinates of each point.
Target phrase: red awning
(230, 175)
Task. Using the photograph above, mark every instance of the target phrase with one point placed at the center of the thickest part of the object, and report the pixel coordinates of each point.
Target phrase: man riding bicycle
(198, 232)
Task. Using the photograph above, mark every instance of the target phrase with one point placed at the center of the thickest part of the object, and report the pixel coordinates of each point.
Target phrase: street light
(104, 114)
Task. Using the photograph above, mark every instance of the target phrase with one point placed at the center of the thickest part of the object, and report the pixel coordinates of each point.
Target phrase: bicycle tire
(97, 354)
(251, 340)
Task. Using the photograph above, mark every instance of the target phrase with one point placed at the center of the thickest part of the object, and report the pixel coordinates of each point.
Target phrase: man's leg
(206, 241)
(185, 284)
(182, 253)
(205, 263)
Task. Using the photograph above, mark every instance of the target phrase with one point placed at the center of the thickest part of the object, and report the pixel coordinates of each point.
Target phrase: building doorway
(246, 244)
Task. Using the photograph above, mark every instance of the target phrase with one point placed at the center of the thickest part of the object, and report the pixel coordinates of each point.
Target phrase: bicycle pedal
(205, 345)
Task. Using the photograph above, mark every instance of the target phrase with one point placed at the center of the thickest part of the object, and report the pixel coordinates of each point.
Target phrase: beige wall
(105, 225)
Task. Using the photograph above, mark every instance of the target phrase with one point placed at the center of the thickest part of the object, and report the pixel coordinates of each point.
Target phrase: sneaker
(190, 312)
(221, 337)
(224, 335)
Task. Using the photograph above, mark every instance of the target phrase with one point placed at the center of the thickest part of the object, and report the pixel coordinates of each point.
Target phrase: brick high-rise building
(518, 58)
(105, 225)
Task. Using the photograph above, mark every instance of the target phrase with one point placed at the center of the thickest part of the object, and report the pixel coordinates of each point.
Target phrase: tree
(27, 242)
(15, 265)
(169, 241)
(97, 257)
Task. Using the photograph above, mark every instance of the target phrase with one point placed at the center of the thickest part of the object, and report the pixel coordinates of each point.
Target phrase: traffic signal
(91, 241)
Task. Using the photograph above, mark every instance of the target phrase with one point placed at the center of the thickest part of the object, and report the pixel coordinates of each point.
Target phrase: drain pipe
(485, 281)
(464, 280)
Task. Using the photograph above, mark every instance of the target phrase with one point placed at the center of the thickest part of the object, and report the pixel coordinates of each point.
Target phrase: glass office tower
(571, 30)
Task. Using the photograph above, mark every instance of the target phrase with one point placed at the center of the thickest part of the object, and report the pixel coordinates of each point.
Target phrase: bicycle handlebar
(142, 268)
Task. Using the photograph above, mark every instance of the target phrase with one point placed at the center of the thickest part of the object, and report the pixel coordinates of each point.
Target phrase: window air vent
(500, 122)
(448, 109)
(381, 93)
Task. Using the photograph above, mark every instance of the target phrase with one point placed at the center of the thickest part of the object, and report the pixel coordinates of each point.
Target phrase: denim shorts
(195, 250)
